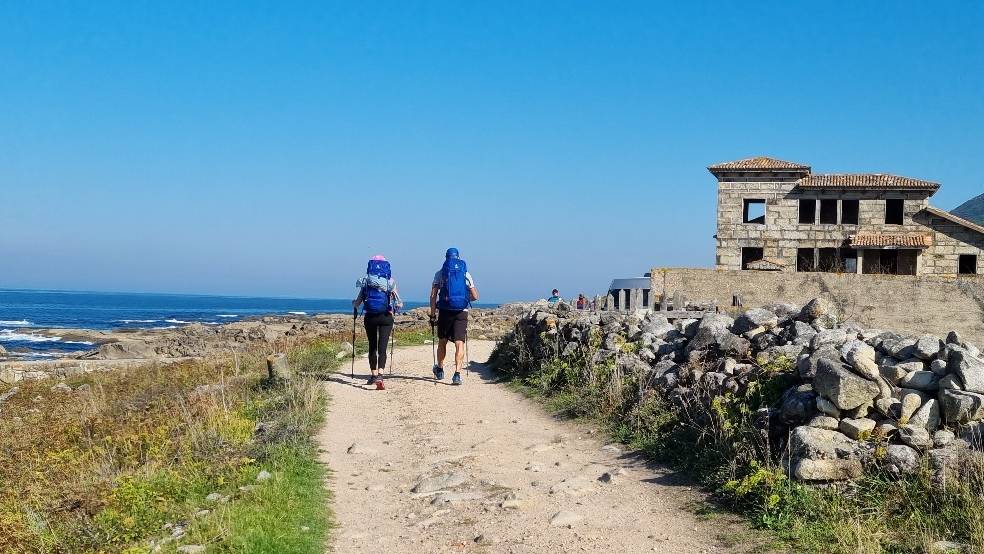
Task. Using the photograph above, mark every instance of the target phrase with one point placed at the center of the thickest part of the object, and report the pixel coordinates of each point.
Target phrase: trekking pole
(392, 360)
(355, 316)
(467, 358)
(433, 345)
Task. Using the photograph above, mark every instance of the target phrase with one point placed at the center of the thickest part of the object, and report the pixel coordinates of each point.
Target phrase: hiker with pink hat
(378, 294)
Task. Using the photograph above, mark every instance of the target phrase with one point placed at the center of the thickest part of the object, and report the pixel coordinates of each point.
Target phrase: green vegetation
(125, 457)
(715, 440)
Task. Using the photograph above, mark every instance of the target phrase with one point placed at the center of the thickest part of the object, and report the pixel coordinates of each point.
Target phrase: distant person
(582, 302)
(554, 296)
(377, 290)
(452, 292)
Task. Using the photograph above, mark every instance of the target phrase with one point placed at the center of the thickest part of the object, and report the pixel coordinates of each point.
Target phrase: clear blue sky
(271, 148)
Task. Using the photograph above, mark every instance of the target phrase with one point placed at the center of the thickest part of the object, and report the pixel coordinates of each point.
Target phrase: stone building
(775, 215)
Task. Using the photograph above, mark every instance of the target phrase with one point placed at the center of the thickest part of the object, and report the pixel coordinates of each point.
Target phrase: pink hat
(378, 258)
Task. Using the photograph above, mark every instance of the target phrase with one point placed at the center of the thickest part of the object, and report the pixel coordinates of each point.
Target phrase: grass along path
(207, 455)
(428, 467)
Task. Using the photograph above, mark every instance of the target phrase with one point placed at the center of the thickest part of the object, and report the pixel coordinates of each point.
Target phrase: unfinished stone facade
(779, 216)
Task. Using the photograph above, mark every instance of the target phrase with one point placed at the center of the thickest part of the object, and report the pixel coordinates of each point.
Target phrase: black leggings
(378, 329)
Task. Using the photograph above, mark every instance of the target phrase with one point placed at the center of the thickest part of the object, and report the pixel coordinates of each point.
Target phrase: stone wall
(907, 303)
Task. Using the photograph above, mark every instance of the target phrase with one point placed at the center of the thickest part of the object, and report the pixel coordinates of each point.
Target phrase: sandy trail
(519, 467)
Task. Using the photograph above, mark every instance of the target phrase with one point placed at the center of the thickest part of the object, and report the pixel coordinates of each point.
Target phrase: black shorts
(452, 325)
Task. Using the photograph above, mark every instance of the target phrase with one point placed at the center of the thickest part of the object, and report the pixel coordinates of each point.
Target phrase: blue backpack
(376, 289)
(454, 294)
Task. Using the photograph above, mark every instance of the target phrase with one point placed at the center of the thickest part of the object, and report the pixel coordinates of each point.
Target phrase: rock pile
(853, 396)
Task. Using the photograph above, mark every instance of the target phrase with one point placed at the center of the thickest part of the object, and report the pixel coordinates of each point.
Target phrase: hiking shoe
(438, 372)
(379, 385)
(456, 378)
(372, 379)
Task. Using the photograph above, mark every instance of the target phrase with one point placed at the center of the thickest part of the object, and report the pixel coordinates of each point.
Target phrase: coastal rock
(753, 318)
(915, 436)
(843, 387)
(904, 458)
(857, 429)
(969, 368)
(921, 380)
(927, 417)
(928, 347)
(820, 312)
(806, 365)
(822, 455)
(961, 406)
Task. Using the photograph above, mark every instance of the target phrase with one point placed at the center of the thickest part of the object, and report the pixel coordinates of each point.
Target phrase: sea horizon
(24, 313)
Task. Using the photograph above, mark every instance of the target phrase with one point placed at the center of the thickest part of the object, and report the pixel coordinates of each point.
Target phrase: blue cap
(451, 253)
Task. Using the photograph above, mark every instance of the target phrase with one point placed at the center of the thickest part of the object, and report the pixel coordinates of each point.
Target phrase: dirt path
(492, 470)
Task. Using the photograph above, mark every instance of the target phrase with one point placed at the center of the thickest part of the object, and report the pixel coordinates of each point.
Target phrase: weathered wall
(907, 303)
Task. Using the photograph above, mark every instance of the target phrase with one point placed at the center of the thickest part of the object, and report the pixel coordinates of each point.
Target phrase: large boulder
(798, 404)
(961, 406)
(969, 368)
(846, 389)
(832, 337)
(713, 333)
(755, 318)
(806, 365)
(899, 347)
(928, 347)
(904, 458)
(928, 416)
(656, 324)
(802, 333)
(817, 454)
(821, 312)
(921, 380)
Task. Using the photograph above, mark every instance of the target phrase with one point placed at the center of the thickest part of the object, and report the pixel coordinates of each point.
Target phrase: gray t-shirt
(439, 281)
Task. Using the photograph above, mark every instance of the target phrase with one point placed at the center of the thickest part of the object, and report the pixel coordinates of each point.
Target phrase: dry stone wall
(907, 303)
(853, 397)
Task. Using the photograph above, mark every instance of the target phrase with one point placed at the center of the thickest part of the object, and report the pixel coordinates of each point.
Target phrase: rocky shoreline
(262, 334)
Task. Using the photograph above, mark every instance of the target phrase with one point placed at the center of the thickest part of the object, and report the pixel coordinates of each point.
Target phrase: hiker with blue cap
(452, 293)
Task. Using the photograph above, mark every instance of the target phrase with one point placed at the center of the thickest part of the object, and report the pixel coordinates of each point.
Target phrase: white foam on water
(298, 313)
(175, 321)
(167, 327)
(16, 322)
(227, 315)
(211, 323)
(9, 335)
(136, 320)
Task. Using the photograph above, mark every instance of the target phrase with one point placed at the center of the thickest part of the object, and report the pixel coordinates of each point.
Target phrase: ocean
(24, 311)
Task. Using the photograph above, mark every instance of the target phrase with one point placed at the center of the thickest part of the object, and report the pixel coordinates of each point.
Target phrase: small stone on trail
(439, 482)
(191, 549)
(375, 488)
(513, 504)
(202, 513)
(612, 448)
(564, 518)
(609, 476)
(484, 540)
(264, 476)
(213, 497)
(61, 387)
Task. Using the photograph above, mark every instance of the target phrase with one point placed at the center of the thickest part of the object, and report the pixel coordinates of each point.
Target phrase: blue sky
(271, 148)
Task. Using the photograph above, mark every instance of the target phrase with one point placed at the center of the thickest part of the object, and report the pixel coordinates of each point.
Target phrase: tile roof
(956, 219)
(766, 264)
(891, 239)
(866, 181)
(759, 163)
